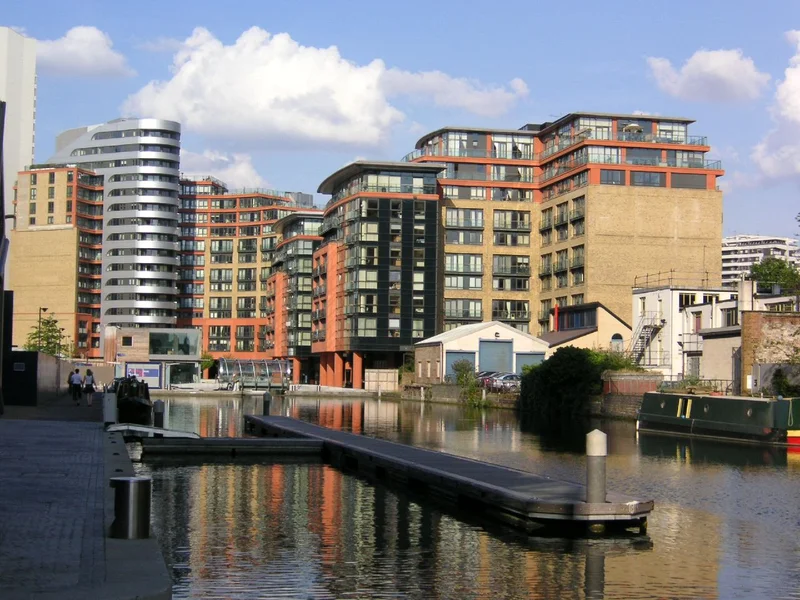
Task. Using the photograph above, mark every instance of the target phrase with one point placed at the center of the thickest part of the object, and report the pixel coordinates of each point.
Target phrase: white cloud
(236, 170)
(711, 76)
(267, 87)
(82, 52)
(644, 113)
(19, 29)
(778, 154)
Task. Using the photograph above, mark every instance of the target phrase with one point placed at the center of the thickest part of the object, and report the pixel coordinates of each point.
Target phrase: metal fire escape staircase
(650, 323)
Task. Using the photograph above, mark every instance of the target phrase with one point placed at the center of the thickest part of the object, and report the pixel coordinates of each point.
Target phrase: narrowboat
(133, 400)
(740, 418)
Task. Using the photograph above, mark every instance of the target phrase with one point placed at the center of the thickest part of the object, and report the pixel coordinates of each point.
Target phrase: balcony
(544, 316)
(545, 224)
(517, 154)
(646, 138)
(511, 315)
(318, 291)
(512, 225)
(520, 270)
(577, 262)
(320, 270)
(545, 270)
(561, 218)
(318, 315)
(465, 314)
(560, 266)
(463, 223)
(577, 213)
(454, 270)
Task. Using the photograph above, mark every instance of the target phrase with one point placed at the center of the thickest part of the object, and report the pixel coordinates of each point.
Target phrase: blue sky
(284, 111)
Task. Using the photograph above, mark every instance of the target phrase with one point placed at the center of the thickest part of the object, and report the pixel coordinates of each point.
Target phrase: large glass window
(610, 177)
(644, 178)
(183, 343)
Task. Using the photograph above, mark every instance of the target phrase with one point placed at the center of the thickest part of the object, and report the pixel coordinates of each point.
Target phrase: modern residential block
(227, 247)
(376, 276)
(56, 254)
(18, 91)
(614, 196)
(741, 252)
(139, 159)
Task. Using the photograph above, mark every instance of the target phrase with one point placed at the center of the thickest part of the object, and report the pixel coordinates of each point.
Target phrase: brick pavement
(56, 507)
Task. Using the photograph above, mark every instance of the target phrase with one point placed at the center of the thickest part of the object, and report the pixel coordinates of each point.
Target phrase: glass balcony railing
(511, 315)
(545, 224)
(641, 138)
(463, 223)
(519, 270)
(545, 270)
(463, 270)
(512, 225)
(577, 213)
(544, 316)
(513, 154)
(463, 314)
(560, 266)
(577, 262)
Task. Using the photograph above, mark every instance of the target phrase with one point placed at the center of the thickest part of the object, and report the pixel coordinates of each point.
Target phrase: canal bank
(58, 507)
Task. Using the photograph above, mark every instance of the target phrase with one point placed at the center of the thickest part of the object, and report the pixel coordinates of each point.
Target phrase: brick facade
(768, 337)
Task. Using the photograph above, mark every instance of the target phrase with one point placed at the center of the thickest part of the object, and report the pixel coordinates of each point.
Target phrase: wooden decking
(515, 497)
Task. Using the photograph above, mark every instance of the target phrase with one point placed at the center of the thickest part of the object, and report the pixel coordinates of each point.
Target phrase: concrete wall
(719, 357)
(768, 337)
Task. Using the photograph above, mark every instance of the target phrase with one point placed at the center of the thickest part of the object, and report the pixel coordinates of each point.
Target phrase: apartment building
(613, 195)
(139, 159)
(287, 332)
(56, 254)
(227, 245)
(741, 252)
(487, 203)
(18, 91)
(376, 275)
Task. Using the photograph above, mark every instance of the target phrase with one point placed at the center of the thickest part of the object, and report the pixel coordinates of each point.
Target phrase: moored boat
(757, 420)
(133, 400)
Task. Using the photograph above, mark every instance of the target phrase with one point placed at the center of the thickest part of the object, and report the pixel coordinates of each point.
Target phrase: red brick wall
(768, 337)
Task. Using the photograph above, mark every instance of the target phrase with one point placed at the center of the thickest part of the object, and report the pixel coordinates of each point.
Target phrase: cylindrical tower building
(140, 162)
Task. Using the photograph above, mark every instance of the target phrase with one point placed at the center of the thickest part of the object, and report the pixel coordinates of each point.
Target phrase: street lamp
(60, 337)
(41, 310)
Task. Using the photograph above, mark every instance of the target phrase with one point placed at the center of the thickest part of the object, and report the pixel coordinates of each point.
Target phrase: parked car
(505, 382)
(484, 377)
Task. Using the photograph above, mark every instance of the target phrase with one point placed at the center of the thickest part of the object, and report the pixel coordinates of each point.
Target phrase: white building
(489, 346)
(658, 328)
(685, 332)
(741, 252)
(18, 91)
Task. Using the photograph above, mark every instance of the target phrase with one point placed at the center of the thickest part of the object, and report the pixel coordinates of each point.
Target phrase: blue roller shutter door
(528, 358)
(452, 356)
(496, 355)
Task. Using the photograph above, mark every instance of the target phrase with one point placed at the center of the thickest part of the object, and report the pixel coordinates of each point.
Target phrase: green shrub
(471, 393)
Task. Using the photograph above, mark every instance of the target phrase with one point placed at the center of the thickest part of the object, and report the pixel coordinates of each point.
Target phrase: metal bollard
(131, 507)
(596, 452)
(109, 407)
(266, 402)
(158, 413)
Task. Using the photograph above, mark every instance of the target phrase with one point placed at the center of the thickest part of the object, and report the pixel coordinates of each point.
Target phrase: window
(50, 220)
(51, 207)
(51, 192)
(69, 191)
(127, 341)
(33, 178)
(32, 221)
(647, 179)
(33, 193)
(51, 178)
(609, 177)
(32, 208)
(690, 181)
(616, 343)
(730, 317)
(70, 176)
(685, 300)
(69, 218)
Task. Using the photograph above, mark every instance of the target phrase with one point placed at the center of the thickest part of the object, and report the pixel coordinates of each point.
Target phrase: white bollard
(596, 452)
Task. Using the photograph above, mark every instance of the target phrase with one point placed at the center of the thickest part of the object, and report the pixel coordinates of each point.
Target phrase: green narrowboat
(756, 420)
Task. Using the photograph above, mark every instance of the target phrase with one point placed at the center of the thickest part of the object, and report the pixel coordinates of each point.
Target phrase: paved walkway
(56, 506)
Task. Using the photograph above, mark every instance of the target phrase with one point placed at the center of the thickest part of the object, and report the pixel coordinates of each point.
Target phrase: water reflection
(724, 525)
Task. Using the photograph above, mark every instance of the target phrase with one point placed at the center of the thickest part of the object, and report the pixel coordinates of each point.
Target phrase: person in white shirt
(75, 383)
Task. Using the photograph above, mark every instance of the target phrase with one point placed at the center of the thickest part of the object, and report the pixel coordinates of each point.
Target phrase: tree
(207, 361)
(47, 339)
(775, 271)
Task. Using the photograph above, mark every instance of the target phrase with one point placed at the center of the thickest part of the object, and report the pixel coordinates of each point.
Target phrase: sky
(279, 94)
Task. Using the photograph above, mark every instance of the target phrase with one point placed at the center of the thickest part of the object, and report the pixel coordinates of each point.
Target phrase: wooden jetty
(518, 498)
(231, 446)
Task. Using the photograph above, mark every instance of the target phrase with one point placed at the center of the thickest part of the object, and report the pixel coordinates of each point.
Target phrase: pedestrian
(88, 387)
(75, 382)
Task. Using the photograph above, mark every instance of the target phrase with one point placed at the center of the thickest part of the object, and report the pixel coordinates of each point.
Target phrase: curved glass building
(140, 162)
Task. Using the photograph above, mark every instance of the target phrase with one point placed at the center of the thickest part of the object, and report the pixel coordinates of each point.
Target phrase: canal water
(726, 523)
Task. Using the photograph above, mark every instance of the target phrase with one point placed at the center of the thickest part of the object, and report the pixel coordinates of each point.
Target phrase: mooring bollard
(158, 413)
(596, 452)
(266, 402)
(109, 407)
(131, 507)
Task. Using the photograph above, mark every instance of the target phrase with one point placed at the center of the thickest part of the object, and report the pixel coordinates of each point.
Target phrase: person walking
(75, 383)
(88, 387)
